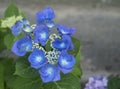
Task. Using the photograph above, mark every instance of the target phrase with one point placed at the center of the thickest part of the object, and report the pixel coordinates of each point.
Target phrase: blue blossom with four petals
(66, 62)
(63, 44)
(41, 34)
(49, 73)
(37, 58)
(46, 17)
(21, 46)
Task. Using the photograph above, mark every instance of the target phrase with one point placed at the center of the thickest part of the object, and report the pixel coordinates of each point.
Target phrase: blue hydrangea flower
(97, 82)
(20, 26)
(22, 46)
(63, 30)
(17, 28)
(63, 44)
(46, 16)
(66, 62)
(37, 58)
(49, 73)
(41, 34)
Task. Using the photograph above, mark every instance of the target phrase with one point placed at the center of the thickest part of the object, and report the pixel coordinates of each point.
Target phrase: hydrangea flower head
(97, 82)
(50, 63)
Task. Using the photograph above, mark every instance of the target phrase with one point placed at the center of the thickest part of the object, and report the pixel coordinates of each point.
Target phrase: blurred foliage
(114, 82)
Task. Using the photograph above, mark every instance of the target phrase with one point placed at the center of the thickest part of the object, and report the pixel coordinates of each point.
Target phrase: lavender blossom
(97, 82)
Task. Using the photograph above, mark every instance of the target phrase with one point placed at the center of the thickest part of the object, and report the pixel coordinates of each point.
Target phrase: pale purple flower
(97, 82)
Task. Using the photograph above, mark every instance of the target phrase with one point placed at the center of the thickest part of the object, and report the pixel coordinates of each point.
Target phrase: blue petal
(63, 44)
(65, 71)
(60, 44)
(46, 14)
(25, 44)
(41, 34)
(66, 62)
(57, 75)
(50, 24)
(25, 21)
(49, 73)
(16, 50)
(37, 58)
(28, 28)
(17, 28)
(63, 30)
(67, 37)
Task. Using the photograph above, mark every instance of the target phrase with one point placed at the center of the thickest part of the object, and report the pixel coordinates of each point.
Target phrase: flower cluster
(97, 82)
(36, 37)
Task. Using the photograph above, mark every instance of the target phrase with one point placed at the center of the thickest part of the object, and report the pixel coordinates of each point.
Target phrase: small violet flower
(97, 82)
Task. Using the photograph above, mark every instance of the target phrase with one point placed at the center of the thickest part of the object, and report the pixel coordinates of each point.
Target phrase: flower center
(52, 57)
(38, 58)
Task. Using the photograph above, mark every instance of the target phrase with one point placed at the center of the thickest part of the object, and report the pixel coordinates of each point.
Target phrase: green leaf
(78, 58)
(47, 46)
(114, 83)
(1, 77)
(17, 82)
(8, 40)
(9, 65)
(68, 81)
(2, 45)
(76, 44)
(23, 68)
(77, 71)
(12, 10)
(23, 14)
